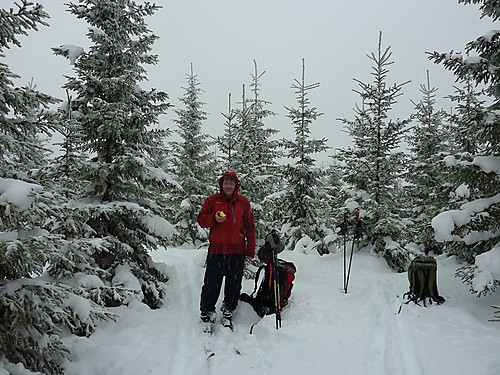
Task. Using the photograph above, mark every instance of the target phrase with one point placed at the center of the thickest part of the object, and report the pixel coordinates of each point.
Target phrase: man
(232, 238)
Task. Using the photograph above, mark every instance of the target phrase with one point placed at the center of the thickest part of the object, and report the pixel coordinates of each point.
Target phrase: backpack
(264, 302)
(422, 275)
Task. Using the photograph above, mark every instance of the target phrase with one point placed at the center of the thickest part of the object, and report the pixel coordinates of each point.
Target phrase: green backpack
(422, 275)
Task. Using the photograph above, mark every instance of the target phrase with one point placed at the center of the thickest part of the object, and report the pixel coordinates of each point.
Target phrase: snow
(489, 268)
(17, 193)
(323, 330)
(159, 226)
(450, 161)
(490, 35)
(80, 305)
(87, 281)
(474, 60)
(444, 223)
(159, 174)
(125, 277)
(73, 52)
(488, 163)
(462, 191)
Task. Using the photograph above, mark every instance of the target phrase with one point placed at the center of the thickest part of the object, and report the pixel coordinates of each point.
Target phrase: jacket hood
(231, 173)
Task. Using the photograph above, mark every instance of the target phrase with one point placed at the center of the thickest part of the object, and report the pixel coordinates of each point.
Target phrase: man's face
(228, 187)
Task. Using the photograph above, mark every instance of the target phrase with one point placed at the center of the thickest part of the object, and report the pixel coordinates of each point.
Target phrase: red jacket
(236, 235)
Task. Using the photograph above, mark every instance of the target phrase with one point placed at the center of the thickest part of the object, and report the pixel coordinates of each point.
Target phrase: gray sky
(223, 37)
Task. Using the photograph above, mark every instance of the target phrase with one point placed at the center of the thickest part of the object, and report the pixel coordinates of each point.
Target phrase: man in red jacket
(232, 238)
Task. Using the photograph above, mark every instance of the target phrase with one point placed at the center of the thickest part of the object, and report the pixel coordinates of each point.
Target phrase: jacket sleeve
(250, 232)
(206, 218)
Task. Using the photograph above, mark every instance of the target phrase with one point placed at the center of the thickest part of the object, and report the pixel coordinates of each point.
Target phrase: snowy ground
(324, 331)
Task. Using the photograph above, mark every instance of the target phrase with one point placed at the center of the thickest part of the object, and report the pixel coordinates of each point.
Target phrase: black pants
(218, 267)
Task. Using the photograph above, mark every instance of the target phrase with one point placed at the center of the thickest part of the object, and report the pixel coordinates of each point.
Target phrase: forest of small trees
(79, 228)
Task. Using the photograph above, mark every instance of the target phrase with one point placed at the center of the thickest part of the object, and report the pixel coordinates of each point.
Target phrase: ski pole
(277, 301)
(344, 230)
(276, 288)
(357, 231)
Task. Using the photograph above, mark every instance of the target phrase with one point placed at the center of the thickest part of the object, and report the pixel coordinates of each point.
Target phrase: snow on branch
(488, 163)
(17, 193)
(444, 223)
(69, 51)
(487, 271)
(158, 226)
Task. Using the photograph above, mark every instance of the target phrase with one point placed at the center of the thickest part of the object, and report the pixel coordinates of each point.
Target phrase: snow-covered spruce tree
(302, 196)
(123, 208)
(33, 309)
(72, 265)
(373, 168)
(20, 107)
(64, 167)
(473, 218)
(466, 178)
(240, 145)
(333, 204)
(226, 142)
(426, 190)
(256, 154)
(248, 149)
(192, 164)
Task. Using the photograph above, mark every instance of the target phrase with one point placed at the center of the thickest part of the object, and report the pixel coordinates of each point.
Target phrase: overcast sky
(223, 37)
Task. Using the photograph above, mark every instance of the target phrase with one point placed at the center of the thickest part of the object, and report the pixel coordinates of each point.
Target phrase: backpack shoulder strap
(257, 275)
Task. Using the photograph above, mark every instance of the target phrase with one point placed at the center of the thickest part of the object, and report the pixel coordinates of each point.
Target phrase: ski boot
(208, 321)
(227, 317)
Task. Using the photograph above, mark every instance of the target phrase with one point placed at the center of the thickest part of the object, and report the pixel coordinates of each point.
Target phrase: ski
(208, 352)
(208, 331)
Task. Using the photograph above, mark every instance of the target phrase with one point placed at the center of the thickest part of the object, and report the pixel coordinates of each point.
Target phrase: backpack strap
(257, 275)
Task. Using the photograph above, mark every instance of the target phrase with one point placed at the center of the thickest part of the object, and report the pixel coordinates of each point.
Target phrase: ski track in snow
(411, 359)
(180, 354)
(389, 338)
(188, 351)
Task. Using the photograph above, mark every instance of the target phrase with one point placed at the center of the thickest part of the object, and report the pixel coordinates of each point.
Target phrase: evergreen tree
(474, 180)
(333, 204)
(23, 120)
(467, 119)
(261, 172)
(427, 192)
(373, 167)
(71, 265)
(122, 209)
(227, 141)
(252, 152)
(33, 309)
(302, 199)
(64, 168)
(192, 164)
(256, 153)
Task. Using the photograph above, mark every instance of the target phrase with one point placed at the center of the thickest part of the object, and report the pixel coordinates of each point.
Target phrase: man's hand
(220, 217)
